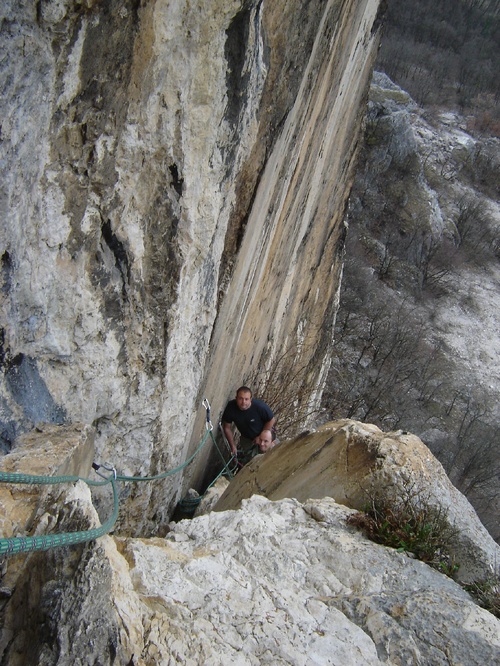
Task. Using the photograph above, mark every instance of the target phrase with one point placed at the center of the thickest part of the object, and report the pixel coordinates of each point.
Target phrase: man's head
(243, 397)
(266, 440)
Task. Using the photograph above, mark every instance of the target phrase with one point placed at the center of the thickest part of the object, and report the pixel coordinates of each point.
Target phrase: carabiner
(208, 423)
(107, 467)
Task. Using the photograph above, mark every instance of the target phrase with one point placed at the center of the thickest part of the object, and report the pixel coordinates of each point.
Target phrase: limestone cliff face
(174, 176)
(273, 583)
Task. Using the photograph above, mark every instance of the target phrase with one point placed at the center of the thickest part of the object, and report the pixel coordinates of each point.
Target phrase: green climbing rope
(15, 477)
(190, 504)
(14, 545)
(170, 472)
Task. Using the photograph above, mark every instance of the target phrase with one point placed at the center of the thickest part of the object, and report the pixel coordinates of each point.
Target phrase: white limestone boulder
(349, 461)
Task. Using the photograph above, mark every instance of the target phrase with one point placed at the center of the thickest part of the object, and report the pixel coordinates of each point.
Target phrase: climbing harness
(14, 545)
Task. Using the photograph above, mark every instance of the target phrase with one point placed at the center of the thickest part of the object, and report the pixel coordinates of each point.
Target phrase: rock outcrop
(272, 583)
(277, 582)
(354, 462)
(51, 451)
(174, 178)
(31, 509)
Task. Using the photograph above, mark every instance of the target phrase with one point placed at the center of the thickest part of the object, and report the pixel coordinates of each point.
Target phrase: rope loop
(15, 545)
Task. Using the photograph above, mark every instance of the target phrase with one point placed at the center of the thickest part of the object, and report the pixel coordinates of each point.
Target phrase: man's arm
(266, 413)
(269, 424)
(228, 431)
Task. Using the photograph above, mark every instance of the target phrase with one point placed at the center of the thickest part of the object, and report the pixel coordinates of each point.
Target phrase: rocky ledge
(270, 582)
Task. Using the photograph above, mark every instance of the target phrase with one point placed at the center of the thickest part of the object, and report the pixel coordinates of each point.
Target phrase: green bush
(409, 525)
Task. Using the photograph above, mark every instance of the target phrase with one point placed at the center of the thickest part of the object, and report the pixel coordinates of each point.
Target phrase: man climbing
(251, 417)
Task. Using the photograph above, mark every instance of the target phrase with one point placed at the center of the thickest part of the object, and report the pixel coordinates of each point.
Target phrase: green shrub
(409, 525)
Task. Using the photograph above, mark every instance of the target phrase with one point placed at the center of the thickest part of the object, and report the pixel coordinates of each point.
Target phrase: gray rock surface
(272, 583)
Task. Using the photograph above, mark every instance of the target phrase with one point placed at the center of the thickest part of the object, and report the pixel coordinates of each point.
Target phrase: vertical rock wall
(282, 296)
(174, 176)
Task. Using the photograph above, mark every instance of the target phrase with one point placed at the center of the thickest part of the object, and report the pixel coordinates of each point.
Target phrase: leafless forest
(423, 240)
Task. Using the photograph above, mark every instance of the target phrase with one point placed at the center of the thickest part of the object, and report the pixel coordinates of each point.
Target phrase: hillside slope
(417, 343)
